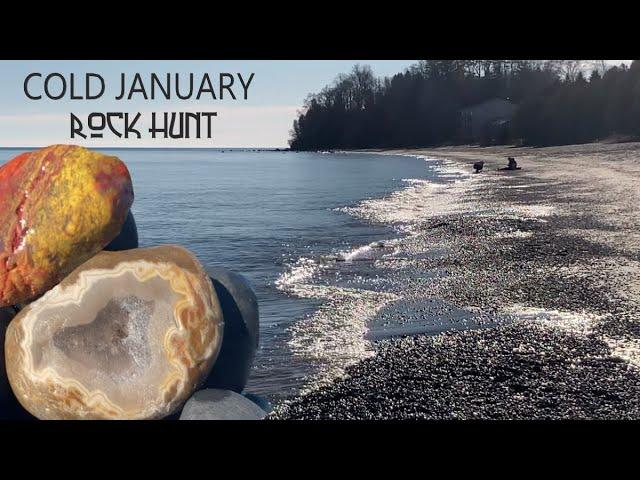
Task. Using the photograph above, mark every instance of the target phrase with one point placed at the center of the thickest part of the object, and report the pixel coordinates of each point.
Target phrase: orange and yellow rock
(59, 206)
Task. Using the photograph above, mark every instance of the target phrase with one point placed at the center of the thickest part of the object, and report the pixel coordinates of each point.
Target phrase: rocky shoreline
(547, 258)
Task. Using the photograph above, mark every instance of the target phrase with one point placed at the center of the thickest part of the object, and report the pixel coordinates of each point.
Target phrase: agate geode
(127, 335)
(59, 206)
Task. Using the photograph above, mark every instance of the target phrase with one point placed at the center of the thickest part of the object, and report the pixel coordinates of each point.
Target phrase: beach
(509, 294)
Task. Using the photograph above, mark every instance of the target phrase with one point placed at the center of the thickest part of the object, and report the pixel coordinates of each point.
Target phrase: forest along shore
(547, 257)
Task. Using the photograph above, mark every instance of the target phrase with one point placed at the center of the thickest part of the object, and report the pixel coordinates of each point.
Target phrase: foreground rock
(59, 206)
(214, 404)
(241, 330)
(127, 335)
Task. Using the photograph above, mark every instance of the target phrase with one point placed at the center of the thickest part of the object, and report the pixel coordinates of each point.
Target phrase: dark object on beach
(216, 404)
(437, 225)
(127, 238)
(513, 165)
(241, 330)
(478, 166)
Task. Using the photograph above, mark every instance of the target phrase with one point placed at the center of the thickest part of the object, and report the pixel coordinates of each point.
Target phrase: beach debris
(127, 335)
(59, 206)
(477, 166)
(217, 404)
(239, 306)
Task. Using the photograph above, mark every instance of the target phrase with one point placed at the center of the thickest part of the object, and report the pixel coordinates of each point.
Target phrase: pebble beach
(510, 294)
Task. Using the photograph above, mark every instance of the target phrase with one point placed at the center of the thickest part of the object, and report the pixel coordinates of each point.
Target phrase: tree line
(557, 102)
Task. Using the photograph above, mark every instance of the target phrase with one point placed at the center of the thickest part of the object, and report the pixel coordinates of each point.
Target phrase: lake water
(274, 217)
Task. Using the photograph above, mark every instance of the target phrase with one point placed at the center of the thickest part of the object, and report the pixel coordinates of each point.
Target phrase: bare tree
(600, 66)
(570, 69)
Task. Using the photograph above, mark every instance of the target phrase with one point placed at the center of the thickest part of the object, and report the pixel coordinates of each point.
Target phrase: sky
(277, 91)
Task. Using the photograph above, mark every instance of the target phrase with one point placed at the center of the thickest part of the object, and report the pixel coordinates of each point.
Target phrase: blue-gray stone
(241, 330)
(127, 238)
(262, 402)
(215, 404)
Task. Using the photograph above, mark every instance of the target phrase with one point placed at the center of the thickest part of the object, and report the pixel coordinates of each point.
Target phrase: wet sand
(545, 263)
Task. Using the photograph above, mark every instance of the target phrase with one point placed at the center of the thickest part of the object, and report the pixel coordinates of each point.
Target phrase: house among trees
(487, 123)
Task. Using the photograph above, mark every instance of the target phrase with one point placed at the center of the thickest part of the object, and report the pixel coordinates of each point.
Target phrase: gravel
(577, 258)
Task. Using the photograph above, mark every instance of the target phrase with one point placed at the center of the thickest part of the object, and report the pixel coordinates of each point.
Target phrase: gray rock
(215, 404)
(127, 238)
(241, 330)
(259, 400)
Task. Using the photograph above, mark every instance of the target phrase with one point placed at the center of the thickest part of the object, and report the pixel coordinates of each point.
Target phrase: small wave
(358, 254)
(423, 199)
(365, 252)
(299, 273)
(418, 201)
(296, 278)
(334, 337)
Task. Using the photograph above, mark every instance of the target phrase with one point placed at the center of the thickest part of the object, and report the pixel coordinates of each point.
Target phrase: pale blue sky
(264, 120)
